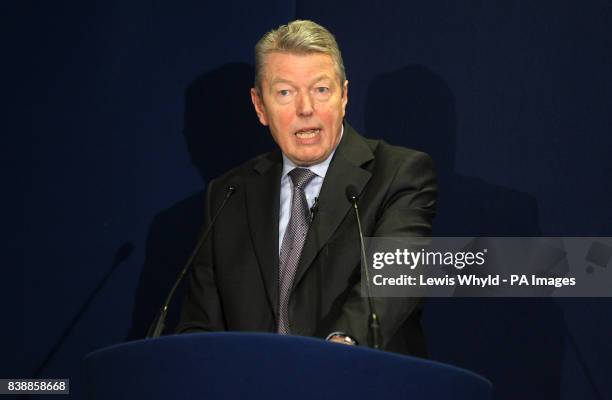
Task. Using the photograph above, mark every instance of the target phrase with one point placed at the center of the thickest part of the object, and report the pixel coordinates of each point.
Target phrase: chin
(309, 160)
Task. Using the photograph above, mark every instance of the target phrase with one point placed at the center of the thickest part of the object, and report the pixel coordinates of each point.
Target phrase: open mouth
(307, 133)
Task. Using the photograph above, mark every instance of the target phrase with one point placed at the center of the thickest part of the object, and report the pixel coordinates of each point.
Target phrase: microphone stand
(374, 322)
(158, 325)
(122, 254)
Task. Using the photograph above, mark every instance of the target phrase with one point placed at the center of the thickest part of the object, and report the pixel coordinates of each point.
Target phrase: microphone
(157, 327)
(314, 209)
(374, 324)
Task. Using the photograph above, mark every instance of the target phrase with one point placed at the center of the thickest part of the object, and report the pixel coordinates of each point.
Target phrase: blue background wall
(130, 107)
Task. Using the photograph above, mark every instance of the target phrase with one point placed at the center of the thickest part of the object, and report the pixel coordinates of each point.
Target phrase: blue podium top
(269, 366)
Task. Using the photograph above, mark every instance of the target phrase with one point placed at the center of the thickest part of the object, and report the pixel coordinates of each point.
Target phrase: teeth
(307, 134)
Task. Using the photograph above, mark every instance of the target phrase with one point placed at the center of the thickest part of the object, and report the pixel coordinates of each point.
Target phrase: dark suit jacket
(234, 280)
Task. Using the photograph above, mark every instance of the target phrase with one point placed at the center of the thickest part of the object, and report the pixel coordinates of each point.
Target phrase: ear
(259, 106)
(344, 97)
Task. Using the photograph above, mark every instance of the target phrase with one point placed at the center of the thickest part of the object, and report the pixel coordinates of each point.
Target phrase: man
(284, 254)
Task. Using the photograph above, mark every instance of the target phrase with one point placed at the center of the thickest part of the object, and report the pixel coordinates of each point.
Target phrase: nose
(304, 105)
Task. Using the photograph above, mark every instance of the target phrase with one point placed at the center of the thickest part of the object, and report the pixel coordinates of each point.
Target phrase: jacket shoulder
(237, 174)
(392, 155)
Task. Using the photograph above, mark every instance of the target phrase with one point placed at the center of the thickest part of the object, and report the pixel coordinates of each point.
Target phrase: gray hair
(298, 37)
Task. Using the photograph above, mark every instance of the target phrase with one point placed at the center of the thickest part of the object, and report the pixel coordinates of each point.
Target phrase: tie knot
(301, 177)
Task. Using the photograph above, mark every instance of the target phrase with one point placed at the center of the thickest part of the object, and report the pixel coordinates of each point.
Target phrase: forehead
(297, 67)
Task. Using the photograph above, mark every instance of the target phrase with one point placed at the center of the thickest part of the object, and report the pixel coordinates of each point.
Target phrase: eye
(322, 89)
(283, 92)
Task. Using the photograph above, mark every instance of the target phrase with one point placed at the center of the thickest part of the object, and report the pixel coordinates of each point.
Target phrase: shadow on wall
(506, 340)
(221, 131)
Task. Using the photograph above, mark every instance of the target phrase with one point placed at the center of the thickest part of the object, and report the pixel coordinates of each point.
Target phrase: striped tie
(293, 242)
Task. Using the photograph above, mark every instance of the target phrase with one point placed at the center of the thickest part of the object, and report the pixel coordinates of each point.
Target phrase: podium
(211, 366)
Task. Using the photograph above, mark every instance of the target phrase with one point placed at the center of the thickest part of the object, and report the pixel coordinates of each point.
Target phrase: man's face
(303, 104)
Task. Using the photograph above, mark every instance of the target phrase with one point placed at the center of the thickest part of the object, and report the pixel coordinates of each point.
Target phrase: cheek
(283, 119)
(331, 116)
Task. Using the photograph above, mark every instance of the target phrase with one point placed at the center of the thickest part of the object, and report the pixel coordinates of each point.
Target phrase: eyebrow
(315, 80)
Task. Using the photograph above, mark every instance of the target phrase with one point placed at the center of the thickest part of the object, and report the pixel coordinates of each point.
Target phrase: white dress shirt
(311, 190)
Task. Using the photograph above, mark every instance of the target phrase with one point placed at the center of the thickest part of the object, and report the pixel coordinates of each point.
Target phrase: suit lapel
(262, 201)
(345, 169)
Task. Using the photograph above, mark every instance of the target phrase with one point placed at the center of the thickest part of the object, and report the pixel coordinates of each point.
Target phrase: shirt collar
(320, 169)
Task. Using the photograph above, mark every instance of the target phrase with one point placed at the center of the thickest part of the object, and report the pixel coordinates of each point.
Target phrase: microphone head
(231, 188)
(351, 193)
(124, 252)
